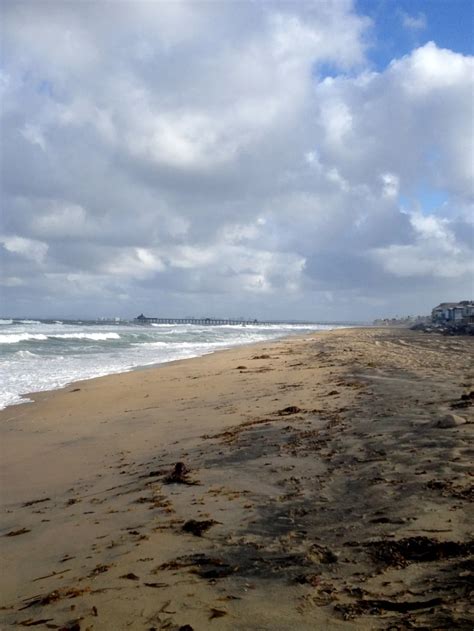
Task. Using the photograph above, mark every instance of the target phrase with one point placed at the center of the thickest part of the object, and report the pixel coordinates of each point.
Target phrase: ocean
(37, 355)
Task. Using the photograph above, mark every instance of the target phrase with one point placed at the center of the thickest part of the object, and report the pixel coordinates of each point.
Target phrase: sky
(276, 160)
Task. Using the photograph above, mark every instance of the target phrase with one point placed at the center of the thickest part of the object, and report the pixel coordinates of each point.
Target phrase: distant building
(454, 313)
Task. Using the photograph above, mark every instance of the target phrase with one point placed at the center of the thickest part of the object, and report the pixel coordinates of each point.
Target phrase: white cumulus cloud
(197, 154)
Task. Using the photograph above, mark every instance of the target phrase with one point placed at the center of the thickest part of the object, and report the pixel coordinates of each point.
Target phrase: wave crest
(96, 337)
(15, 338)
(25, 354)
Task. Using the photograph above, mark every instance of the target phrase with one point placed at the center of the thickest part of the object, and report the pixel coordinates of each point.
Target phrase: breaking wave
(45, 355)
(96, 337)
(25, 354)
(15, 338)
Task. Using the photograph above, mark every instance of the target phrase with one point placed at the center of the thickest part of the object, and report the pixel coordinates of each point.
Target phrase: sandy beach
(319, 482)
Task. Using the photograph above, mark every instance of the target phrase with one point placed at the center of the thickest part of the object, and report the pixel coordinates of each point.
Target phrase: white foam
(14, 338)
(62, 353)
(11, 398)
(6, 321)
(25, 354)
(97, 337)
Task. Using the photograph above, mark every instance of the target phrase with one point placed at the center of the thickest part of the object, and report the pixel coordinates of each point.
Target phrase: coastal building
(454, 313)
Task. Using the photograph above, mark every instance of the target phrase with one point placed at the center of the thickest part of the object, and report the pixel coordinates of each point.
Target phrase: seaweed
(196, 528)
(15, 533)
(291, 409)
(99, 569)
(200, 564)
(54, 596)
(416, 550)
(33, 623)
(130, 576)
(217, 613)
(375, 606)
(32, 502)
(179, 475)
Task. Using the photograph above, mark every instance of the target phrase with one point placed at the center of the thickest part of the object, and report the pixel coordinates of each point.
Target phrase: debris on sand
(261, 357)
(33, 623)
(219, 571)
(196, 527)
(186, 627)
(32, 502)
(99, 569)
(448, 489)
(41, 578)
(374, 607)
(72, 501)
(217, 613)
(155, 473)
(179, 475)
(72, 626)
(417, 550)
(291, 409)
(54, 596)
(156, 585)
(321, 554)
(130, 576)
(15, 533)
(308, 579)
(466, 400)
(200, 564)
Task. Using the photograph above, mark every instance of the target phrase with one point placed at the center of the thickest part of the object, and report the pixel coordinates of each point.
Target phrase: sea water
(40, 355)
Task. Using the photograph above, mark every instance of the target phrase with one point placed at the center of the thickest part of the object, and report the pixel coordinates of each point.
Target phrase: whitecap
(15, 338)
(96, 337)
(25, 354)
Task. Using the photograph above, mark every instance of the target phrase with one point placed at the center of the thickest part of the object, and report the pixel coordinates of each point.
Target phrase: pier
(141, 319)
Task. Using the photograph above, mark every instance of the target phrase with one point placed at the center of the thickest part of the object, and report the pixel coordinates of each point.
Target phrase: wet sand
(325, 484)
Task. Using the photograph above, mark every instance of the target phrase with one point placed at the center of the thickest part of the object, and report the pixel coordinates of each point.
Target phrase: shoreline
(29, 396)
(306, 456)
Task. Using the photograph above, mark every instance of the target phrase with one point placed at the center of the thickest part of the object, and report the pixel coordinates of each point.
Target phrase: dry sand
(328, 485)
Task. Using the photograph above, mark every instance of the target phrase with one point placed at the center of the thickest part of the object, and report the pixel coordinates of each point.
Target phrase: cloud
(34, 135)
(28, 248)
(413, 22)
(434, 252)
(200, 158)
